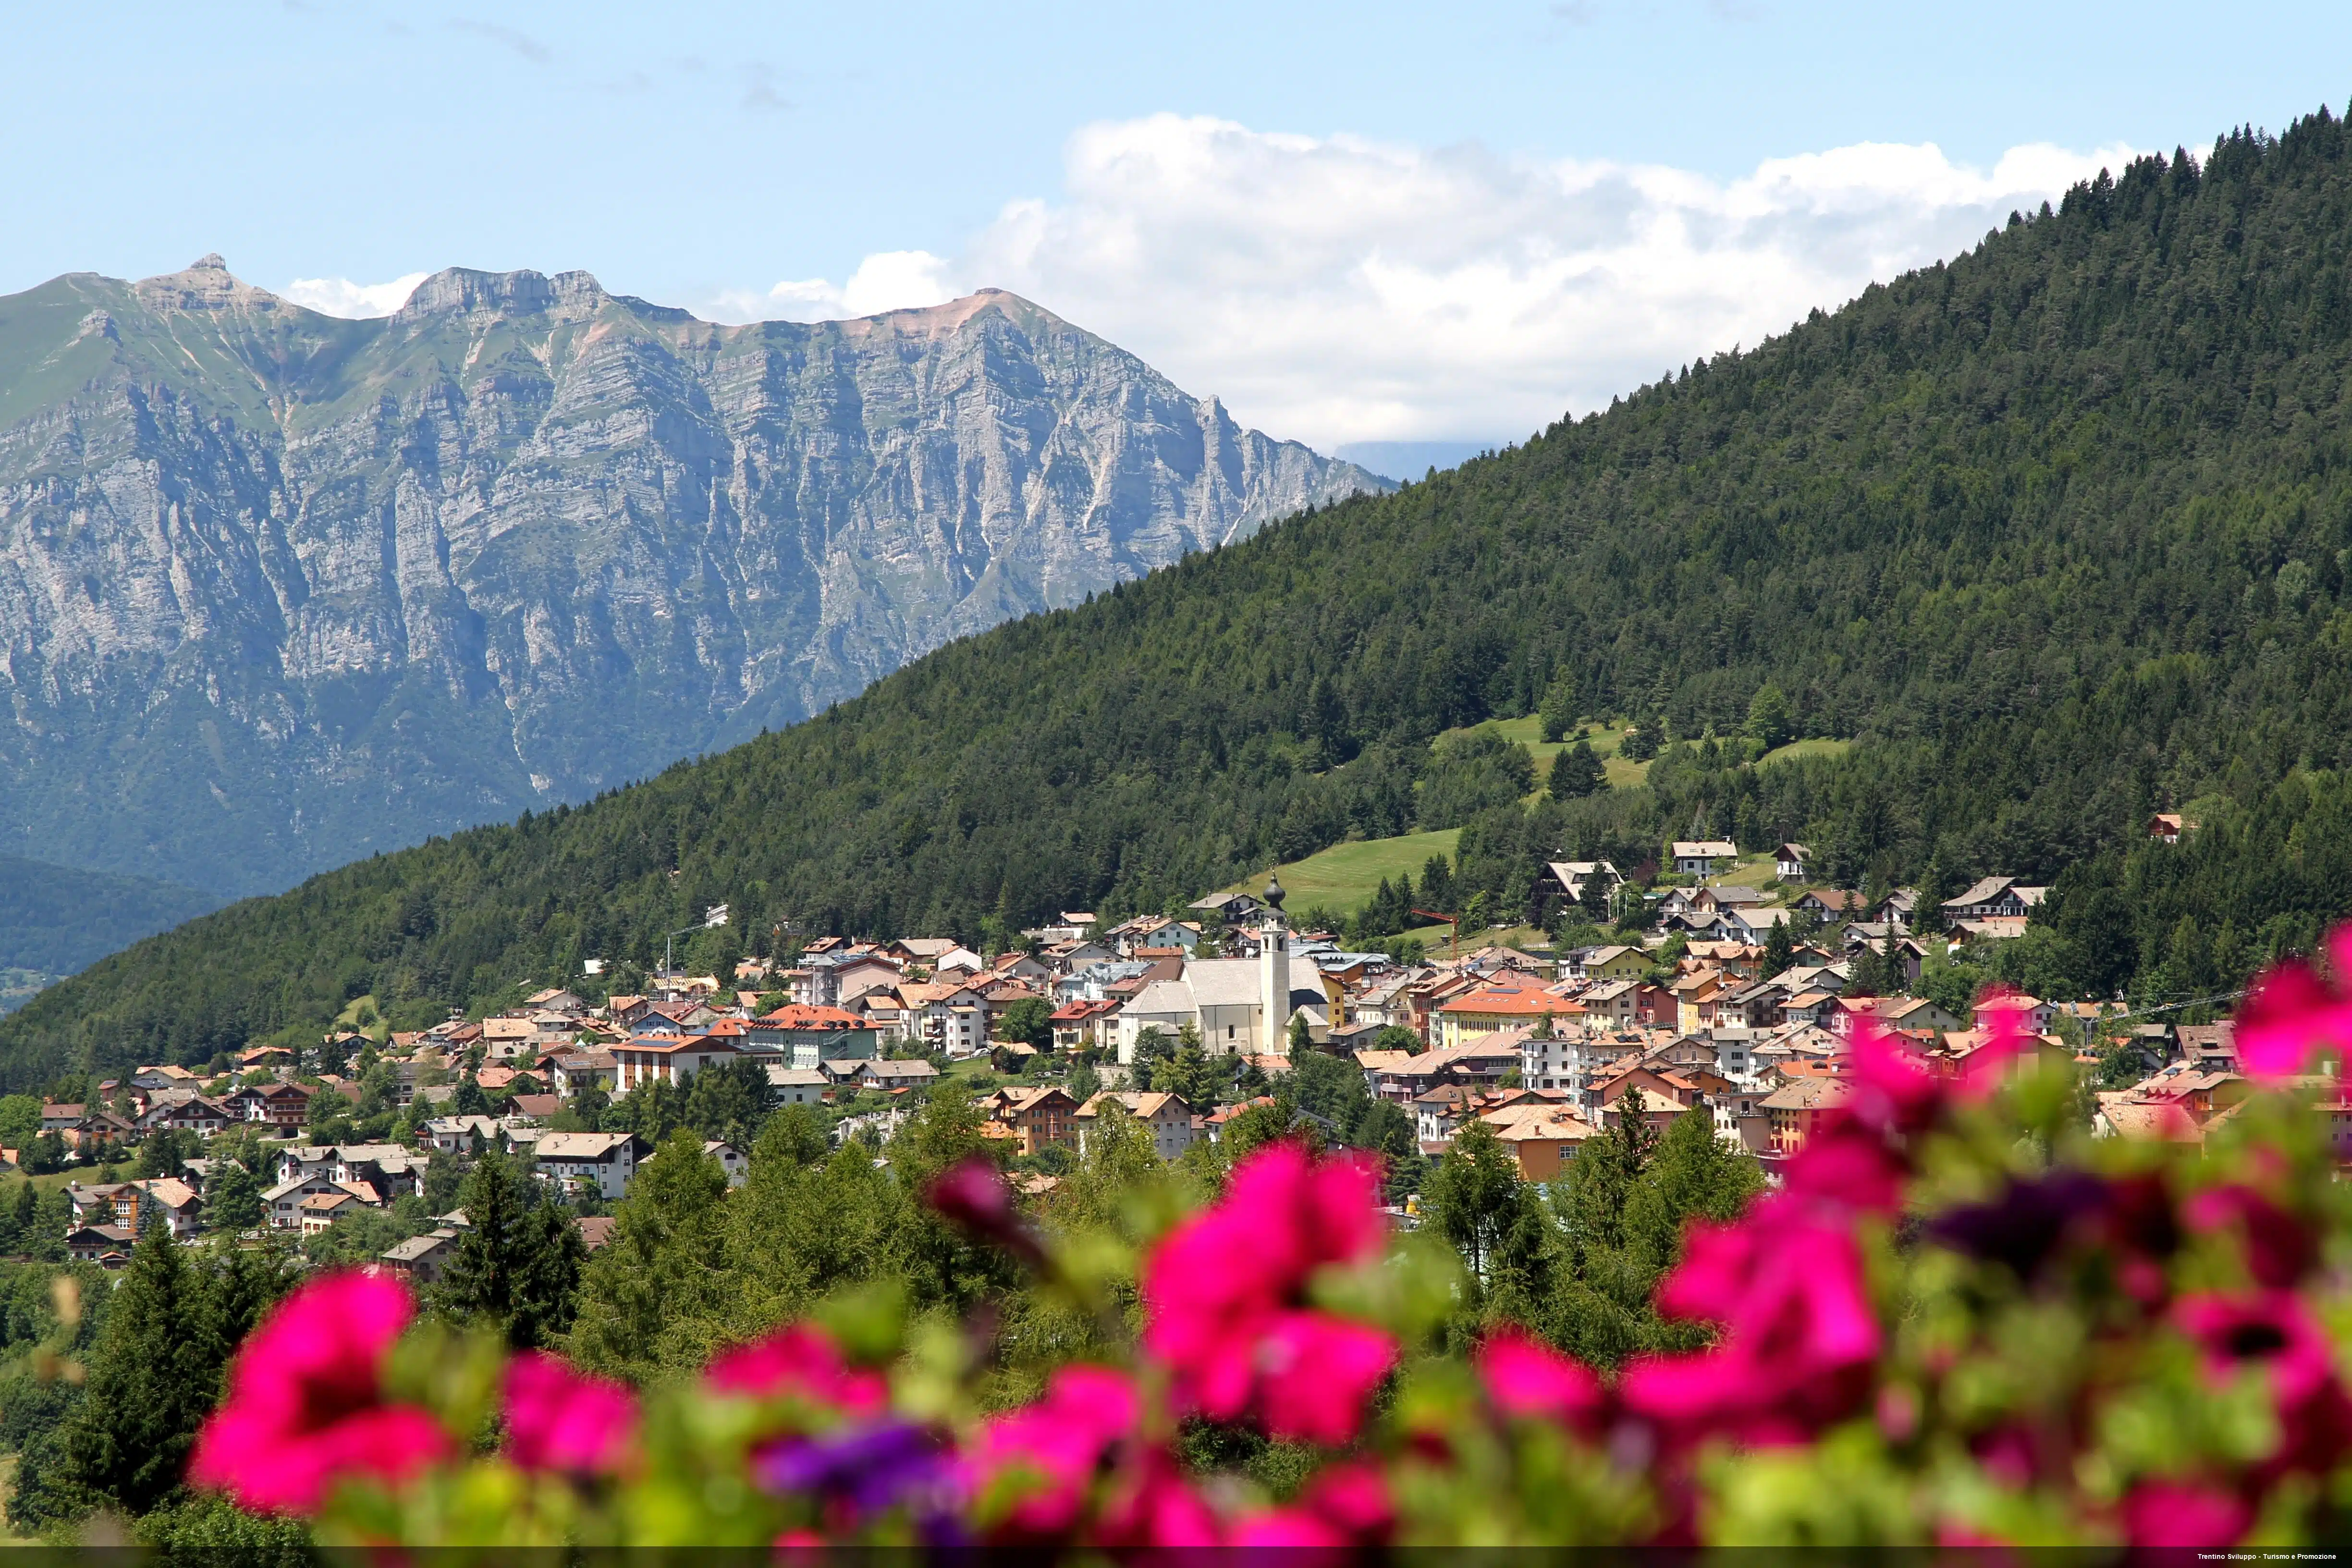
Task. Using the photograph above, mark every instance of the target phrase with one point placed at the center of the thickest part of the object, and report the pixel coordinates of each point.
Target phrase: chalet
(1565, 880)
(1541, 1136)
(1032, 1117)
(1166, 1117)
(602, 1162)
(1704, 857)
(1226, 909)
(797, 1086)
(320, 1211)
(670, 1059)
(1790, 861)
(423, 1259)
(1613, 962)
(1994, 898)
(108, 1246)
(1830, 903)
(2166, 827)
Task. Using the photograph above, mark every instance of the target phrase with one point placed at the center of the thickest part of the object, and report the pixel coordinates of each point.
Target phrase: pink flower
(1533, 1381)
(2280, 1249)
(1799, 1333)
(798, 1362)
(558, 1420)
(1223, 1294)
(1037, 1464)
(1314, 1372)
(305, 1404)
(974, 1193)
(2292, 1010)
(1153, 1504)
(2176, 1513)
(2275, 1331)
(1345, 1506)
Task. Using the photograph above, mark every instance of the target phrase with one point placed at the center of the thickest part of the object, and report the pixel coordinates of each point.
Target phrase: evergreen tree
(649, 1297)
(1769, 723)
(151, 1382)
(1691, 1175)
(728, 1103)
(516, 1264)
(1559, 710)
(1577, 773)
(234, 1204)
(1472, 1197)
(1779, 949)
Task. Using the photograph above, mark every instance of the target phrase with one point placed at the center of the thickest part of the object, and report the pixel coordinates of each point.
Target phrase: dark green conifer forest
(2058, 533)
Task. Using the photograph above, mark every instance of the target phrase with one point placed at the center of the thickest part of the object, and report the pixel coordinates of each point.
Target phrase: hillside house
(1704, 857)
(1165, 1116)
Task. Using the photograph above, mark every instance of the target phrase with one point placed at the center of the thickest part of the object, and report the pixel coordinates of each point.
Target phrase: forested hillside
(2058, 533)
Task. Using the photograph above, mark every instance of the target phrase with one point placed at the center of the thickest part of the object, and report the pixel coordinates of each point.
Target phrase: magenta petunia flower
(306, 1404)
(799, 1361)
(1534, 1381)
(2275, 1330)
(2178, 1513)
(2280, 1248)
(2292, 1010)
(1051, 1453)
(1787, 1284)
(558, 1419)
(1223, 1295)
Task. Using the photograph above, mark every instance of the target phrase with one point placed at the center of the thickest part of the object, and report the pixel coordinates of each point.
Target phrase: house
(186, 1112)
(1078, 1025)
(1032, 1117)
(603, 1162)
(1915, 1014)
(671, 1058)
(1615, 1004)
(1613, 962)
(421, 1260)
(1167, 1119)
(1830, 903)
(797, 1086)
(108, 1246)
(282, 1205)
(596, 1231)
(320, 1211)
(1994, 898)
(1465, 1018)
(2165, 827)
(913, 1074)
(1565, 880)
(459, 1134)
(730, 1159)
(1794, 1113)
(1226, 909)
(1789, 862)
(1541, 1136)
(1705, 856)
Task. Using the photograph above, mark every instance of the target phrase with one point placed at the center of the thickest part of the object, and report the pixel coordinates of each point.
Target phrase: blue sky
(1254, 197)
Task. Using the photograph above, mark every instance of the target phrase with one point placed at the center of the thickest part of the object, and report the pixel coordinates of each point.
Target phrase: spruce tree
(662, 1272)
(1472, 1197)
(517, 1261)
(235, 1201)
(151, 1382)
(1577, 773)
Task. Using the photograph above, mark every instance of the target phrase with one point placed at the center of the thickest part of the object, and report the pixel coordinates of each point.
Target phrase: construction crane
(1452, 928)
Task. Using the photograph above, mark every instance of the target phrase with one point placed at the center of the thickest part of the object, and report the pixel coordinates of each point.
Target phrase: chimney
(1274, 972)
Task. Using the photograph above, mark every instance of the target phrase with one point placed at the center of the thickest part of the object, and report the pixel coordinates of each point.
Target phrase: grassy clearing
(1342, 876)
(1796, 750)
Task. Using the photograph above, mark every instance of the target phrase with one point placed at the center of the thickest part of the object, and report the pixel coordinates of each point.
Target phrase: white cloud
(341, 296)
(1334, 289)
(886, 281)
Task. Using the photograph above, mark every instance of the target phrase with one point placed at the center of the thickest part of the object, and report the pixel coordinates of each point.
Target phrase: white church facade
(1240, 1006)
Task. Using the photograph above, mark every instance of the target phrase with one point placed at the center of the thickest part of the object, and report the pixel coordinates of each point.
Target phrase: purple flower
(873, 1467)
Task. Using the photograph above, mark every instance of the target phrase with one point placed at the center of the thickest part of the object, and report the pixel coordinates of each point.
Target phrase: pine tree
(152, 1380)
(1577, 773)
(1559, 710)
(1693, 1174)
(663, 1271)
(517, 1261)
(235, 1201)
(1472, 1197)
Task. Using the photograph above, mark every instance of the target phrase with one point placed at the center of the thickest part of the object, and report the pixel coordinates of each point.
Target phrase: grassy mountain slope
(2055, 532)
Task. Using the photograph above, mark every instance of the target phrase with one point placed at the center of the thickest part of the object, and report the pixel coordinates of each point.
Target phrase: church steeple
(1274, 972)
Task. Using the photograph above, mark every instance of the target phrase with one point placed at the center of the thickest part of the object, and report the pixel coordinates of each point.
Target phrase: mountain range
(279, 590)
(2053, 536)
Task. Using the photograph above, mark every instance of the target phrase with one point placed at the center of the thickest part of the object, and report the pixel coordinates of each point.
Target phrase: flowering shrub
(1957, 1320)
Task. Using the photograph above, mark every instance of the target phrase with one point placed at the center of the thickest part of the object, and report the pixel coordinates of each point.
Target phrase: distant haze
(1407, 461)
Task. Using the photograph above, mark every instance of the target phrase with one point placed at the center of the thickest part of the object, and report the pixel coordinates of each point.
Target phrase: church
(1239, 1004)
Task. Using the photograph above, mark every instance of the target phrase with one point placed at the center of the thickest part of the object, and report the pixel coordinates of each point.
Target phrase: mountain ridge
(355, 582)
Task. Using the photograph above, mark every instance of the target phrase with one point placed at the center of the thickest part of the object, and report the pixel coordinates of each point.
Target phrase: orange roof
(1520, 1004)
(798, 1015)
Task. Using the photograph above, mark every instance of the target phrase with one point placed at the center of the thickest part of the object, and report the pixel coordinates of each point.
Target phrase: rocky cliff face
(278, 590)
